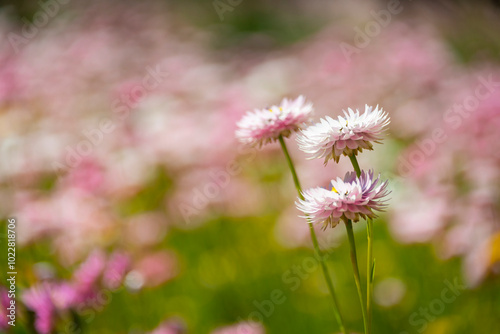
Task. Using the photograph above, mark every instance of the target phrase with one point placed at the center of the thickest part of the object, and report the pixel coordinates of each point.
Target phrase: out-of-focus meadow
(137, 211)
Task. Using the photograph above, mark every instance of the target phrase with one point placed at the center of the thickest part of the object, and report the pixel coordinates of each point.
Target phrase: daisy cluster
(350, 198)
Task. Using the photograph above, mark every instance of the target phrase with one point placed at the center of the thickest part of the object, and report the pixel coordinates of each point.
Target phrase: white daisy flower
(351, 198)
(264, 126)
(347, 135)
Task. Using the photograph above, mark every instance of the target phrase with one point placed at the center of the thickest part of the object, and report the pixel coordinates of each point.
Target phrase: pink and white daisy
(264, 126)
(351, 198)
(347, 135)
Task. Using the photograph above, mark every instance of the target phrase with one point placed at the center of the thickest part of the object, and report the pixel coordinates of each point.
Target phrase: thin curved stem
(291, 166)
(355, 268)
(370, 272)
(319, 253)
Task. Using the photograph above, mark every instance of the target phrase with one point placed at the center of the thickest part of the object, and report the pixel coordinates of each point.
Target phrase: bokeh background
(138, 211)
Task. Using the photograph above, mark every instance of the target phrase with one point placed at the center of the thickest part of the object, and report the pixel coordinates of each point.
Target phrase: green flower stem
(319, 253)
(354, 261)
(291, 166)
(355, 164)
(370, 269)
(370, 273)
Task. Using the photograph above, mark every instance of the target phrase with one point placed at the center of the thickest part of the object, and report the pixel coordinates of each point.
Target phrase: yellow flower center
(270, 110)
(335, 190)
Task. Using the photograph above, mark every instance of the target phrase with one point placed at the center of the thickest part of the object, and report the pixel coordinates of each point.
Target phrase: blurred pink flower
(157, 268)
(4, 304)
(56, 91)
(145, 229)
(88, 273)
(88, 176)
(74, 220)
(170, 327)
(63, 295)
(419, 216)
(450, 197)
(38, 300)
(241, 328)
(49, 301)
(116, 268)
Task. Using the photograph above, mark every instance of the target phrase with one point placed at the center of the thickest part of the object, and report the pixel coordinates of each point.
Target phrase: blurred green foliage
(229, 264)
